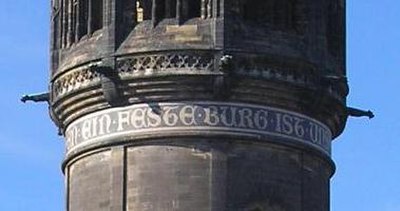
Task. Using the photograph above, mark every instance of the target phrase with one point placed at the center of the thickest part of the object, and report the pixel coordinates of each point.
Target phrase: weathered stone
(198, 104)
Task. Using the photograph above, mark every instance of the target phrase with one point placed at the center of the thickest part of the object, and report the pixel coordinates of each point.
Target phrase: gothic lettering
(246, 119)
(138, 118)
(189, 117)
(170, 117)
(229, 119)
(212, 117)
(123, 119)
(261, 120)
(154, 120)
(104, 124)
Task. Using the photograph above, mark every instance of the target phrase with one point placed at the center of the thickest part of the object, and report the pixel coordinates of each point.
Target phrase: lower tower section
(198, 156)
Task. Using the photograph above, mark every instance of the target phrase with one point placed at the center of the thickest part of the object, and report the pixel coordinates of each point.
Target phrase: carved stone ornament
(136, 122)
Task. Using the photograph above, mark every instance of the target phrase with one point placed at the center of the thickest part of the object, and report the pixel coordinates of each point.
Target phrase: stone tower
(214, 105)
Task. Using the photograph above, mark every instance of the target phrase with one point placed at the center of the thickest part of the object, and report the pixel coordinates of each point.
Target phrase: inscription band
(187, 118)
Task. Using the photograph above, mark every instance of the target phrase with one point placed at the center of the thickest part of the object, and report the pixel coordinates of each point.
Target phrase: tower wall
(192, 174)
(198, 105)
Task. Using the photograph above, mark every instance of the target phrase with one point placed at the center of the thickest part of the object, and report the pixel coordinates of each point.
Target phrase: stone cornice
(188, 75)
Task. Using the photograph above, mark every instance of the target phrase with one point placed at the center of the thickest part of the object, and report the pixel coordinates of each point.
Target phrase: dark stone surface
(89, 183)
(286, 54)
(200, 175)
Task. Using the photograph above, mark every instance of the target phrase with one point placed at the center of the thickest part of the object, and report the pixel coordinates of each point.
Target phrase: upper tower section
(89, 30)
(309, 30)
(285, 53)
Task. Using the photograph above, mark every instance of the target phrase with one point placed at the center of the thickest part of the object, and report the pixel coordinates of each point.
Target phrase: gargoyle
(42, 97)
(354, 112)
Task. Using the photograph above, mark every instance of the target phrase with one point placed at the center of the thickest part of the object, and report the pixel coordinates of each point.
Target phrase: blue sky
(366, 155)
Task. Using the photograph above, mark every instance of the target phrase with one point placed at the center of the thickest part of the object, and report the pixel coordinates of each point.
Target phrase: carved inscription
(222, 118)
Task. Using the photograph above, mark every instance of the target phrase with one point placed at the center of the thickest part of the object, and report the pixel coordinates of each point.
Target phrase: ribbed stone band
(144, 121)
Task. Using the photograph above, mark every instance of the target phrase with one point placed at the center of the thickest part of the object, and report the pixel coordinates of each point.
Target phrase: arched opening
(75, 21)
(194, 9)
(191, 9)
(56, 19)
(170, 9)
(83, 18)
(138, 11)
(79, 18)
(160, 12)
(56, 36)
(64, 22)
(97, 14)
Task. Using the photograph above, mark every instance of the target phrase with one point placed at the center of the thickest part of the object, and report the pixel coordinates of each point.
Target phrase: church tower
(206, 105)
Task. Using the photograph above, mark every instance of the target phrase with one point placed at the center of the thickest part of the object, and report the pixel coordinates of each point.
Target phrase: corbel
(221, 82)
(110, 84)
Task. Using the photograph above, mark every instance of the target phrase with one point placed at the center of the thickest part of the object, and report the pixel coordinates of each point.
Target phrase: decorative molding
(137, 66)
(86, 81)
(131, 66)
(73, 80)
(140, 121)
(164, 62)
